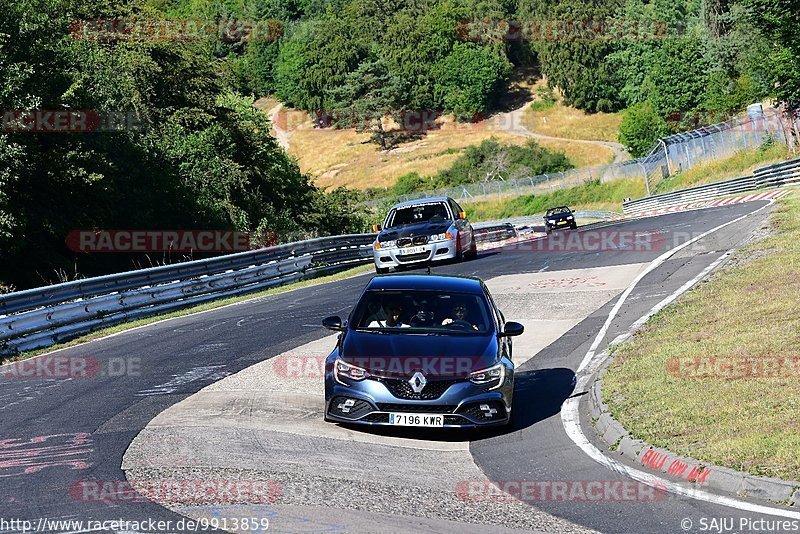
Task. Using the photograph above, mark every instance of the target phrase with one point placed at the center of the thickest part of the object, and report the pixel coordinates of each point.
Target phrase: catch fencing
(668, 156)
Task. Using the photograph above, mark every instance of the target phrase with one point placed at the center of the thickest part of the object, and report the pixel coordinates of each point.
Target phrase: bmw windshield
(434, 212)
(422, 312)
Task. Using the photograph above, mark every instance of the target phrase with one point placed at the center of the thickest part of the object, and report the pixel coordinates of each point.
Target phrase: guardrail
(772, 176)
(42, 317)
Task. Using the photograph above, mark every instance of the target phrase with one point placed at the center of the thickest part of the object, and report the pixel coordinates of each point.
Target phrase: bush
(489, 161)
(640, 129)
(545, 99)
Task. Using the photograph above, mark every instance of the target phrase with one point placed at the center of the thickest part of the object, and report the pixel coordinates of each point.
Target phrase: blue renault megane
(422, 351)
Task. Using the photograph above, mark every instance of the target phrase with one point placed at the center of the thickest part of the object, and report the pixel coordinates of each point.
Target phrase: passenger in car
(458, 316)
(393, 313)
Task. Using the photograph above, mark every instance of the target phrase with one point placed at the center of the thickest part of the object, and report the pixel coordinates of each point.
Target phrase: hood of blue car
(433, 355)
(412, 230)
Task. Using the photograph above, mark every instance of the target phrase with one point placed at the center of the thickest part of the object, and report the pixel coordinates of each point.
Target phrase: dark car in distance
(422, 351)
(559, 217)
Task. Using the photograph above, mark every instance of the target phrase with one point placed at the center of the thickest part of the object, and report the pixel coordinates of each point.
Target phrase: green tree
(368, 95)
(641, 127)
(779, 20)
(469, 77)
(573, 56)
(678, 75)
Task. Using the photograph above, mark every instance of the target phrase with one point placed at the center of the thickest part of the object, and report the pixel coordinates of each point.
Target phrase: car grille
(416, 408)
(416, 241)
(413, 257)
(400, 388)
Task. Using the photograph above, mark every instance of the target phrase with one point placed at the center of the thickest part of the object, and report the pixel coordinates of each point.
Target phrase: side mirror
(377, 228)
(333, 323)
(511, 329)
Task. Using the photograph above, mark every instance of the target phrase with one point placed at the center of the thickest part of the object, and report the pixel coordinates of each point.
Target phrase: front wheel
(381, 270)
(573, 226)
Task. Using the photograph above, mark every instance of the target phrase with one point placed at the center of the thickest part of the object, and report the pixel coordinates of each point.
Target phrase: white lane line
(570, 416)
(653, 265)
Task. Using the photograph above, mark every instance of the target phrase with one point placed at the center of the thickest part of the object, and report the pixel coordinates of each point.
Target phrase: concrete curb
(703, 475)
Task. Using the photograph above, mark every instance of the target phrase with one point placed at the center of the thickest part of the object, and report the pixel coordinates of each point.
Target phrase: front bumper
(436, 251)
(462, 403)
(563, 223)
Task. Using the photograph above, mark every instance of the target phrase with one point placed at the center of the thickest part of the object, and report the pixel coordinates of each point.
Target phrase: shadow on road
(538, 395)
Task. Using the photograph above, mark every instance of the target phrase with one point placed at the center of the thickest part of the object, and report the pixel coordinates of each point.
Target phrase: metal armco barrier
(772, 176)
(42, 317)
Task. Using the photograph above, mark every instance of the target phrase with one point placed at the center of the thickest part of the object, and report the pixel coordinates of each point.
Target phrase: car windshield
(422, 312)
(418, 213)
(558, 211)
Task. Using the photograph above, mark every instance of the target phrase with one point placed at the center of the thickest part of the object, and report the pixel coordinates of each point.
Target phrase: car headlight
(570, 218)
(343, 369)
(493, 375)
(384, 244)
(441, 237)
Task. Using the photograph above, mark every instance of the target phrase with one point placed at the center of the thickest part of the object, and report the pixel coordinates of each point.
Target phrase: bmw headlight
(441, 237)
(384, 244)
(570, 218)
(342, 369)
(494, 376)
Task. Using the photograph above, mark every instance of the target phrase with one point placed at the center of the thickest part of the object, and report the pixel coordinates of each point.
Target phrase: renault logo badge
(418, 382)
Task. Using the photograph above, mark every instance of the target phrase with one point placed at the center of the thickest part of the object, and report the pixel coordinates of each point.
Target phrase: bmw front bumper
(396, 257)
(463, 404)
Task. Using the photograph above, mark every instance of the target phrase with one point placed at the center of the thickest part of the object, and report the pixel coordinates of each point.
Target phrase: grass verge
(590, 196)
(670, 385)
(188, 311)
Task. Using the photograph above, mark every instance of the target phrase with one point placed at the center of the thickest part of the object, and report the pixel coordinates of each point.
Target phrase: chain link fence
(670, 155)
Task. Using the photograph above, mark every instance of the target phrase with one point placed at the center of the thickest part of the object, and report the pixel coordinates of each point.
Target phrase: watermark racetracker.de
(595, 491)
(225, 241)
(61, 367)
(561, 30)
(230, 30)
(185, 491)
(733, 367)
(69, 121)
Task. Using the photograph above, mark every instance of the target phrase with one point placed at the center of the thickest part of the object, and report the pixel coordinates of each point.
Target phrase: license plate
(415, 419)
(410, 250)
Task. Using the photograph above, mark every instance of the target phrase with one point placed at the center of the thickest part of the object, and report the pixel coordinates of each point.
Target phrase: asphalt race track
(55, 433)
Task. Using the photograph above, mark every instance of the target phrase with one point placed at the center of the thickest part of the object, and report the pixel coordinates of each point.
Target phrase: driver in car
(459, 317)
(393, 313)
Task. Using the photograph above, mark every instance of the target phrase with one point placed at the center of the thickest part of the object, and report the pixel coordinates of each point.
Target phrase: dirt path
(278, 132)
(511, 122)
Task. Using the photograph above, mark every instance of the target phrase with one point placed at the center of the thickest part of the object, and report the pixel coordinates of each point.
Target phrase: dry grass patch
(344, 157)
(580, 154)
(752, 310)
(564, 121)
